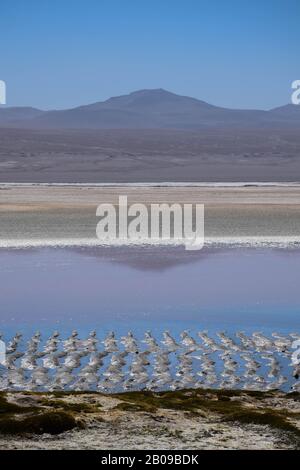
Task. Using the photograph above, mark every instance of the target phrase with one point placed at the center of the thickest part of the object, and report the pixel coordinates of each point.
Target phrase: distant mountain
(290, 112)
(149, 109)
(10, 115)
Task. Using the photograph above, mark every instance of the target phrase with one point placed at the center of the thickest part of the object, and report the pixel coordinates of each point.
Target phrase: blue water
(152, 288)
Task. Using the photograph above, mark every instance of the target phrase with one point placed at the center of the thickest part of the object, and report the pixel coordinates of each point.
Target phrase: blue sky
(235, 53)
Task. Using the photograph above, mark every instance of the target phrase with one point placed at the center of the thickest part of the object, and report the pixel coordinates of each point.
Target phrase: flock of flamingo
(238, 361)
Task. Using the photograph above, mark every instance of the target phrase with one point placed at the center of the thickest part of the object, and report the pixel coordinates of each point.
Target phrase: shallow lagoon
(157, 289)
(149, 288)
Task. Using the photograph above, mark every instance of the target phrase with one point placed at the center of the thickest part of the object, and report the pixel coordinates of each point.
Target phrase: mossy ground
(54, 422)
(225, 403)
(70, 407)
(17, 419)
(54, 413)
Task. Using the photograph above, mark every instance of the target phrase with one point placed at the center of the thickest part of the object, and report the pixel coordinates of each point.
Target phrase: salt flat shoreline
(78, 195)
(255, 214)
(65, 215)
(169, 184)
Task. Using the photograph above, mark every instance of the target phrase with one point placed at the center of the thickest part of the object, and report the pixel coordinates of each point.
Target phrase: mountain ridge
(149, 108)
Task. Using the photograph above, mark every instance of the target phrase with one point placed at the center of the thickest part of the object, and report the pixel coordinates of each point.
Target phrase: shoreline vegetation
(183, 419)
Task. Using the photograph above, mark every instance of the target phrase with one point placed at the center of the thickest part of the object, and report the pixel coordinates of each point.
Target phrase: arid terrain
(157, 155)
(189, 419)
